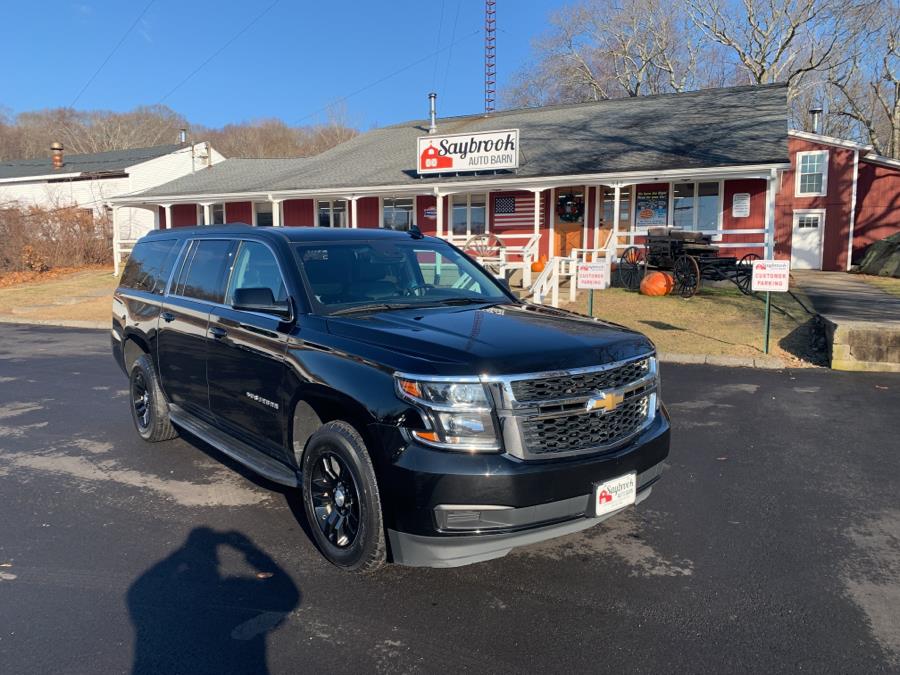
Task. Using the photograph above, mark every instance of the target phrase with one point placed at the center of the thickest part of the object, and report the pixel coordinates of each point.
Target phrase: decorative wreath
(569, 209)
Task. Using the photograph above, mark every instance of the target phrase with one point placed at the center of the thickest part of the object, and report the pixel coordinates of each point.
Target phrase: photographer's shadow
(189, 617)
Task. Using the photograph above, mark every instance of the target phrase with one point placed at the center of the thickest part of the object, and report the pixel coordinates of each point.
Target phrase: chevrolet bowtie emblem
(608, 401)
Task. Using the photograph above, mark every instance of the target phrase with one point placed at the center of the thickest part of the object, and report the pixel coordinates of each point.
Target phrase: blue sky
(299, 58)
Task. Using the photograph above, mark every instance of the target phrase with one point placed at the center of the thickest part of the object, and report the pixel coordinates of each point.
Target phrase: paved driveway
(772, 544)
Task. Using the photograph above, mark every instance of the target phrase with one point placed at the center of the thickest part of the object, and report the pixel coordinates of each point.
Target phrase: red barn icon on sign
(432, 159)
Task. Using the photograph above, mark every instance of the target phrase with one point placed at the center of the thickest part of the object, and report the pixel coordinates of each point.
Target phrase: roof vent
(56, 154)
(432, 99)
(815, 119)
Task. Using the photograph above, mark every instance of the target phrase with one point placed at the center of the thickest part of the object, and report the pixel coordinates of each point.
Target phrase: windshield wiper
(373, 307)
(469, 301)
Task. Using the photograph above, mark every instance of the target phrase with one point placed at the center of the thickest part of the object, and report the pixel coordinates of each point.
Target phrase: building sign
(771, 275)
(593, 275)
(651, 207)
(485, 151)
(740, 205)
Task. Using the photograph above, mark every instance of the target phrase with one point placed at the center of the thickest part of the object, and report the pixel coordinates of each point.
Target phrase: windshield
(392, 275)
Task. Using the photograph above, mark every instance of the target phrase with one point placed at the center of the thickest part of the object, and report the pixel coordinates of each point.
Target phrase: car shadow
(193, 614)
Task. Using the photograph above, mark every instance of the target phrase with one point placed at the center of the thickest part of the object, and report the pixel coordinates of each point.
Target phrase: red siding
(238, 212)
(836, 203)
(299, 213)
(184, 215)
(426, 225)
(367, 212)
(755, 221)
(877, 206)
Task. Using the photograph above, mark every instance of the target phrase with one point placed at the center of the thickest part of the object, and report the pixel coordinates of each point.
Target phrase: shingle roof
(232, 175)
(98, 162)
(735, 126)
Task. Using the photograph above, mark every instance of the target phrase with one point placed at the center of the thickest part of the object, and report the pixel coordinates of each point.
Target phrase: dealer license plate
(615, 494)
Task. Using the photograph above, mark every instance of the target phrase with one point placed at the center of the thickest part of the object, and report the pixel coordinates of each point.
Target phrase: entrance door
(568, 223)
(806, 239)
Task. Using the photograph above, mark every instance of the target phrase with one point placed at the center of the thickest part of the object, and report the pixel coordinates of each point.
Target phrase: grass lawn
(889, 284)
(84, 295)
(716, 321)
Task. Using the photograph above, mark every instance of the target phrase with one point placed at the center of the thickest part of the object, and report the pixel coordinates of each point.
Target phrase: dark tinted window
(204, 270)
(255, 267)
(149, 265)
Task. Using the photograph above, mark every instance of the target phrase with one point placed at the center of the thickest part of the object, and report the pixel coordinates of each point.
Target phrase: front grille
(545, 436)
(579, 384)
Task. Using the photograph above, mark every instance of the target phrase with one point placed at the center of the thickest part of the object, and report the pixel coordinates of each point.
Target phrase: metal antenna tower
(490, 55)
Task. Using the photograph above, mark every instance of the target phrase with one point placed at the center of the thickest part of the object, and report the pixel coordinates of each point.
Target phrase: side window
(149, 265)
(256, 267)
(203, 273)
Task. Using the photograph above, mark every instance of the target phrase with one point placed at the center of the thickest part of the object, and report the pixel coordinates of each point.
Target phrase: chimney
(815, 115)
(432, 98)
(182, 136)
(56, 154)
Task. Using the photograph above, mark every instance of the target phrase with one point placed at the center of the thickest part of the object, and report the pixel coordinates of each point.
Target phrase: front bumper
(550, 498)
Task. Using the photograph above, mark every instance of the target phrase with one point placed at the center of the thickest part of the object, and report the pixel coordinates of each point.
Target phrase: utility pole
(490, 55)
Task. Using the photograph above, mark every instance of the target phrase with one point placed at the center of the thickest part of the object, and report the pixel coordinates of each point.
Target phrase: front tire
(340, 498)
(149, 409)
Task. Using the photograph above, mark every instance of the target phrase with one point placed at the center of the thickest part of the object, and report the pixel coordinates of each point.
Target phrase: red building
(586, 178)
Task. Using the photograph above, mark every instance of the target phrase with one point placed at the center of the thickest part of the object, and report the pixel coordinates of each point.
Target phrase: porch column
(276, 212)
(551, 226)
(584, 220)
(116, 238)
(770, 214)
(207, 212)
(537, 212)
(353, 223)
(168, 209)
(439, 204)
(156, 216)
(614, 235)
(598, 189)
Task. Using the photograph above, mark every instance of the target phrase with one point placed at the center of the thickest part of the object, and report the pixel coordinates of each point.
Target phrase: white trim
(770, 215)
(852, 210)
(539, 183)
(881, 159)
(597, 191)
(670, 203)
(551, 229)
(827, 140)
(809, 212)
(798, 174)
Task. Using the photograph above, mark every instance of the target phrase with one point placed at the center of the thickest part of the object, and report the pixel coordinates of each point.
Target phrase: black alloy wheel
(149, 409)
(335, 500)
(141, 401)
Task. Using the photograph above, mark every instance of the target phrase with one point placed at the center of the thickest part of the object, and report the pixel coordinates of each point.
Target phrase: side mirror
(260, 300)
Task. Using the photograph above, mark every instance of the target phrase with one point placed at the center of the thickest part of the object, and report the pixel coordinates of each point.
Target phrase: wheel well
(309, 416)
(134, 347)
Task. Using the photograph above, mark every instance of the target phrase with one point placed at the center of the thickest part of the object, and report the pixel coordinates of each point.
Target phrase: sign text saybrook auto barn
(484, 151)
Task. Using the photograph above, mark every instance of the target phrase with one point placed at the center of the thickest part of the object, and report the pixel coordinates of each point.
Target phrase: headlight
(458, 414)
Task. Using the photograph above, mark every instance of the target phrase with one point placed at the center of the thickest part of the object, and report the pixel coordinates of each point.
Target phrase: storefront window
(469, 215)
(332, 213)
(696, 206)
(263, 214)
(218, 214)
(624, 206)
(397, 213)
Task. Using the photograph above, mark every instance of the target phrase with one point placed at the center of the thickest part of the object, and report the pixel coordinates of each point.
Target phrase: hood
(498, 340)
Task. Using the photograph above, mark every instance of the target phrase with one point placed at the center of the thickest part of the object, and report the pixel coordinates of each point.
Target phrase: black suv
(427, 415)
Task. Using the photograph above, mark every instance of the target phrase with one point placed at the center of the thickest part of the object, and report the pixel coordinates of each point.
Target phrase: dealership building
(568, 181)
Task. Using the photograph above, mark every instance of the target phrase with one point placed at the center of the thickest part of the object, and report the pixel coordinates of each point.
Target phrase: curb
(62, 323)
(762, 362)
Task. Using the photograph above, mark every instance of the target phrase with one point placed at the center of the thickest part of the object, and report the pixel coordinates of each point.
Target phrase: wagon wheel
(630, 270)
(687, 275)
(483, 246)
(744, 273)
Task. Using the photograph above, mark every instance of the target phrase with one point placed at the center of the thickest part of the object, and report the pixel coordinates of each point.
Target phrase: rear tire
(149, 409)
(340, 498)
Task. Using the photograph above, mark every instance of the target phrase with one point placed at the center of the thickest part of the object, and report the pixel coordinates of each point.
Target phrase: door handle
(168, 317)
(218, 333)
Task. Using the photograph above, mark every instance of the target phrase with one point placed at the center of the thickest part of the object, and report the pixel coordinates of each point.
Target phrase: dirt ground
(83, 295)
(717, 321)
(889, 284)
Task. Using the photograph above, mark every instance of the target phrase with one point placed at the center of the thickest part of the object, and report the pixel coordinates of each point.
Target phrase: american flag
(515, 209)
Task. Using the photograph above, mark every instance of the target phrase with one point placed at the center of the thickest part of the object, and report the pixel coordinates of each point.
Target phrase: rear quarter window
(203, 274)
(149, 266)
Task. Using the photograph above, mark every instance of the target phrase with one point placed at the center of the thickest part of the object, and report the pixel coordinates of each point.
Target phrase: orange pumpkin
(657, 283)
(539, 265)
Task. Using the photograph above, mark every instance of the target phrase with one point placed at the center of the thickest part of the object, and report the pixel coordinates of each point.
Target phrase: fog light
(473, 518)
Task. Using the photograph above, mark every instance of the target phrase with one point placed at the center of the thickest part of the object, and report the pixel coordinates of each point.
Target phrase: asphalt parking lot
(772, 544)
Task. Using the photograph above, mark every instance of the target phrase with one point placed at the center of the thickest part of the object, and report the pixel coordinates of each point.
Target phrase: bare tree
(868, 86)
(609, 49)
(783, 40)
